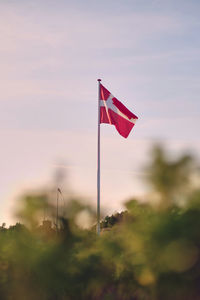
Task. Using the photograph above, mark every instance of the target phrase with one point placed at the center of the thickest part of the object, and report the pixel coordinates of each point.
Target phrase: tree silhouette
(170, 179)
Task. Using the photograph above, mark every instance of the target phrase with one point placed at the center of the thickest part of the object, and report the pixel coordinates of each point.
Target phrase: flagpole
(98, 161)
(57, 196)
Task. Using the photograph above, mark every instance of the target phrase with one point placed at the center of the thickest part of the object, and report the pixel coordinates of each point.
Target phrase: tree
(170, 179)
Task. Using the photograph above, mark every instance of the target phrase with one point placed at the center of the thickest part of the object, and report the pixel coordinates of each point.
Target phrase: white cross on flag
(113, 112)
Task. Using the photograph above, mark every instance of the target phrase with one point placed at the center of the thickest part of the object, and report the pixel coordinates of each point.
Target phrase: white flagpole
(98, 161)
(57, 196)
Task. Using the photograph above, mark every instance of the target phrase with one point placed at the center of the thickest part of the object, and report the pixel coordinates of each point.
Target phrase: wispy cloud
(51, 54)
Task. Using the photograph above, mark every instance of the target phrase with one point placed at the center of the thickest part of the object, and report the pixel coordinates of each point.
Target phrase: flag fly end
(113, 112)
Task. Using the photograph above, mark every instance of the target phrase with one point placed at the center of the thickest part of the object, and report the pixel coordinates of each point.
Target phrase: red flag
(113, 112)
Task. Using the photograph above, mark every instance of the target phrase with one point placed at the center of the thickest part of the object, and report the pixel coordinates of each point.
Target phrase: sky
(147, 53)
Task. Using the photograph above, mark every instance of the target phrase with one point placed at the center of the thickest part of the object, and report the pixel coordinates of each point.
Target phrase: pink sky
(51, 55)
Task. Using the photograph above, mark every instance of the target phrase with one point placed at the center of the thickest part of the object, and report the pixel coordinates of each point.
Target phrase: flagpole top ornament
(98, 79)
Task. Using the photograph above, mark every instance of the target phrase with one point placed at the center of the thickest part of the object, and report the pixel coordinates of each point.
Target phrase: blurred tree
(110, 221)
(148, 254)
(170, 179)
(31, 209)
(3, 227)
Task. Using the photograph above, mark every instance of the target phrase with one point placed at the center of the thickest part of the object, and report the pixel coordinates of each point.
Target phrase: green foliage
(110, 221)
(170, 179)
(149, 253)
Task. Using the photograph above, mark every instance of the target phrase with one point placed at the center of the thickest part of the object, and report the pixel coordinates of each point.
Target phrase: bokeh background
(52, 52)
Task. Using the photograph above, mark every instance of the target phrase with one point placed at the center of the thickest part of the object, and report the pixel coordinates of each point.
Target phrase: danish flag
(113, 112)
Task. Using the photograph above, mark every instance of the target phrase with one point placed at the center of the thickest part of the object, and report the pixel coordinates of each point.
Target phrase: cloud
(74, 29)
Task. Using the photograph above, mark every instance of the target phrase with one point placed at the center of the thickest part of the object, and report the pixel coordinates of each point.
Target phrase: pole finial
(98, 79)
